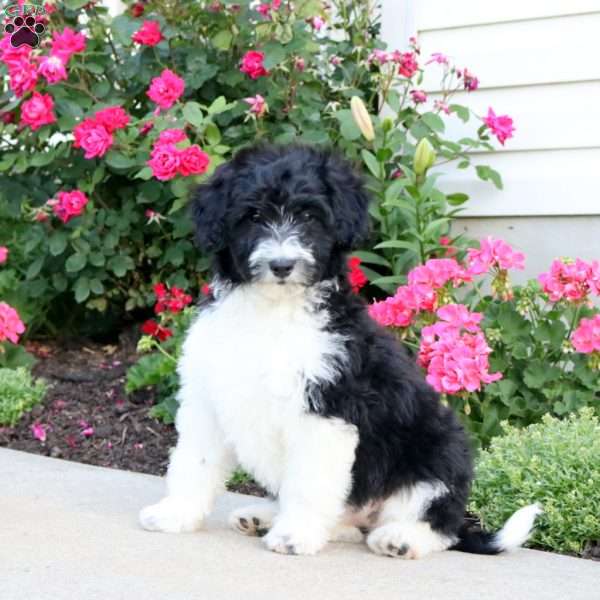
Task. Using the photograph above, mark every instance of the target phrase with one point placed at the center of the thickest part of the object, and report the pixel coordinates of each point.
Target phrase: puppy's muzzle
(282, 267)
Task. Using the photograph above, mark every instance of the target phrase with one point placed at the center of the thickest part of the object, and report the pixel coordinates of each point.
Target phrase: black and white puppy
(284, 373)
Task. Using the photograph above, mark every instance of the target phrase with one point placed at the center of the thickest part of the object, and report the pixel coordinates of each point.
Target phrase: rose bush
(108, 123)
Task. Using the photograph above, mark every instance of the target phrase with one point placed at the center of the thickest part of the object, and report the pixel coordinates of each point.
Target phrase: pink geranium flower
(112, 118)
(3, 254)
(67, 43)
(493, 253)
(164, 161)
(439, 58)
(500, 125)
(252, 64)
(570, 280)
(148, 34)
(38, 111)
(586, 338)
(52, 69)
(455, 353)
(166, 89)
(11, 326)
(93, 137)
(193, 161)
(69, 205)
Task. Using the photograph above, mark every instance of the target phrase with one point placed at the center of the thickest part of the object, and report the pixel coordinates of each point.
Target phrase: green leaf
(462, 112)
(488, 174)
(119, 265)
(41, 159)
(192, 113)
(274, 54)
(434, 226)
(145, 174)
(212, 134)
(222, 39)
(220, 105)
(116, 160)
(75, 263)
(433, 121)
(456, 199)
(35, 267)
(58, 242)
(82, 289)
(406, 245)
(96, 286)
(75, 4)
(371, 163)
(371, 258)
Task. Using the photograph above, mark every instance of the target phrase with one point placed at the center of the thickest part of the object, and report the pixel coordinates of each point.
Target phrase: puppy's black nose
(282, 267)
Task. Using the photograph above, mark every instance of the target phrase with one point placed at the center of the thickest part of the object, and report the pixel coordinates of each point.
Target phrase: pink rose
(418, 96)
(148, 34)
(3, 254)
(164, 161)
(94, 138)
(470, 82)
(38, 111)
(23, 78)
(500, 125)
(407, 63)
(171, 136)
(439, 58)
(112, 118)
(67, 43)
(380, 56)
(252, 64)
(53, 69)
(166, 89)
(13, 57)
(69, 205)
(258, 106)
(11, 326)
(317, 23)
(193, 161)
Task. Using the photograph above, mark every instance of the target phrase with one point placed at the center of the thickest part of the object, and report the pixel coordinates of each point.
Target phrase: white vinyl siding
(539, 62)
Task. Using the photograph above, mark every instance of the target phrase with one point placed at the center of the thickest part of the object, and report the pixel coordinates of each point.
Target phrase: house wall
(537, 61)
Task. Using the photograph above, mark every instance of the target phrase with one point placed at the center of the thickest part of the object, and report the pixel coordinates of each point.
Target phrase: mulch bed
(87, 416)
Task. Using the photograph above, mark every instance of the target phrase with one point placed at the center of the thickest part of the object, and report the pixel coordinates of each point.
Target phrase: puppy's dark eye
(306, 216)
(256, 217)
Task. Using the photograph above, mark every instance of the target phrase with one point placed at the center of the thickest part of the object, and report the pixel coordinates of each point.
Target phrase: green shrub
(19, 393)
(556, 463)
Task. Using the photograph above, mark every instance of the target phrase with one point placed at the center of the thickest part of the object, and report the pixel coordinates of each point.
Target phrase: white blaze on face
(283, 245)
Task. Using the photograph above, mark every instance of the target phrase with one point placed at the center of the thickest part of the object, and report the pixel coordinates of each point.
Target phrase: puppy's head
(281, 216)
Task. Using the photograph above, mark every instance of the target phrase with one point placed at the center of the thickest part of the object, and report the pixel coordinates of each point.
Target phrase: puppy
(284, 373)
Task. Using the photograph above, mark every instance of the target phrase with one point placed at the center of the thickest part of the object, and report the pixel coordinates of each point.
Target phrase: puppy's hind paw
(294, 542)
(171, 515)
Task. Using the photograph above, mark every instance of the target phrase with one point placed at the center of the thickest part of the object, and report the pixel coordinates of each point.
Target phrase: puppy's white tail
(514, 533)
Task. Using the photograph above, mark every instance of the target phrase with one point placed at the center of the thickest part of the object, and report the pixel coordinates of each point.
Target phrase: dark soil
(88, 417)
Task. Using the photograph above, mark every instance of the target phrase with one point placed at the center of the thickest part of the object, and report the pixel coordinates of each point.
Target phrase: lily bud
(387, 124)
(361, 117)
(424, 156)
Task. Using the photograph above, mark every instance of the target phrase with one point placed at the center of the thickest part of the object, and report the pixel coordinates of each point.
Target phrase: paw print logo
(24, 31)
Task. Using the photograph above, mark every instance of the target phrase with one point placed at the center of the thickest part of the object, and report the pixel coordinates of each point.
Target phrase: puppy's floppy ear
(350, 201)
(209, 208)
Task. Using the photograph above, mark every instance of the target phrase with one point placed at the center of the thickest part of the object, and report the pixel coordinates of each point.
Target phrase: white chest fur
(250, 358)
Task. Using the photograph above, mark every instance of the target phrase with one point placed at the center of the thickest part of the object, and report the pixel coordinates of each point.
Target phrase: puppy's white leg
(255, 519)
(316, 483)
(198, 468)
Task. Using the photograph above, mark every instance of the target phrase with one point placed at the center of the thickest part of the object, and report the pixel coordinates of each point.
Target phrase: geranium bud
(424, 156)
(361, 117)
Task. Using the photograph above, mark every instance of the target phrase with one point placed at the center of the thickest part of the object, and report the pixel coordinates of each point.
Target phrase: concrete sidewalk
(69, 531)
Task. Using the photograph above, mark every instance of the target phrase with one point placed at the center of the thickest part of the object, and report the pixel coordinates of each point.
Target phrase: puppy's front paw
(171, 515)
(252, 520)
(295, 541)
